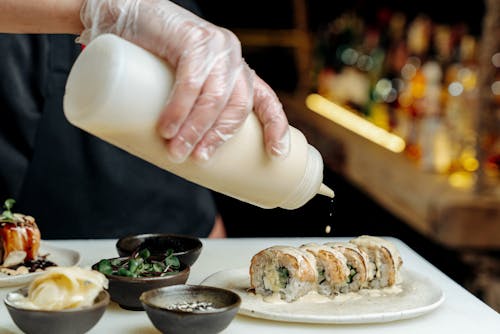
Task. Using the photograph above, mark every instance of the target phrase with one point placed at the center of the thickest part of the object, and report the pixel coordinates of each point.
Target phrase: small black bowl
(166, 308)
(186, 248)
(76, 321)
(125, 291)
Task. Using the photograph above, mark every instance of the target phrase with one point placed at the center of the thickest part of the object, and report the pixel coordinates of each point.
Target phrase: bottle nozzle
(326, 191)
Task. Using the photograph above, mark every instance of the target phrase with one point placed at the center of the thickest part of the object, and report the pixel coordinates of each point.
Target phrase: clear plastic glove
(214, 89)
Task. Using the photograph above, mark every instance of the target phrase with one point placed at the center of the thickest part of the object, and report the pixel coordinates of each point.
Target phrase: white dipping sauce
(60, 288)
(314, 297)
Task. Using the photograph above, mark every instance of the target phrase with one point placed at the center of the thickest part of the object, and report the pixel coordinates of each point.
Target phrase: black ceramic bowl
(125, 291)
(186, 248)
(168, 308)
(75, 321)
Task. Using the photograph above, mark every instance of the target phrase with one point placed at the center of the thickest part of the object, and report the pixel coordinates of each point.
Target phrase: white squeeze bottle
(116, 91)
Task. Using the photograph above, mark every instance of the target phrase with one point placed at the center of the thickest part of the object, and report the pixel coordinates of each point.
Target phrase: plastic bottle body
(116, 91)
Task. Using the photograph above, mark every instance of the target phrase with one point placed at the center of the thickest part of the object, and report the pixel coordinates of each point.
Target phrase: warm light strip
(355, 123)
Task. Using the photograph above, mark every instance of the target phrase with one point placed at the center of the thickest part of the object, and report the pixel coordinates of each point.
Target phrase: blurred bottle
(418, 41)
(434, 139)
(341, 79)
(461, 103)
(397, 54)
(375, 46)
(433, 135)
(492, 142)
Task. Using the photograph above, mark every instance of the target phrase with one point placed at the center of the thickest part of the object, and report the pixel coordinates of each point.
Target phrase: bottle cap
(326, 191)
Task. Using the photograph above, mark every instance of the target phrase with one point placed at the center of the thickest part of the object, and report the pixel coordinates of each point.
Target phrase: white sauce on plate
(316, 298)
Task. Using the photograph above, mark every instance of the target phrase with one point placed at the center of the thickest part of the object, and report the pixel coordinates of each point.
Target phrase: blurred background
(403, 101)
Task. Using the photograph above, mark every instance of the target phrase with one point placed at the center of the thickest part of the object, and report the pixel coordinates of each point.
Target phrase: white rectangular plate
(415, 296)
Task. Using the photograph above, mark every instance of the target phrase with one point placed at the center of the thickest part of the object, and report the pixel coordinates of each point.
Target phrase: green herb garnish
(7, 215)
(284, 275)
(141, 264)
(321, 276)
(352, 273)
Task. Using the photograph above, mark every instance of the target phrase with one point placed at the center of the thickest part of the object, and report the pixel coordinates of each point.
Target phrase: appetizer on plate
(365, 262)
(19, 237)
(19, 243)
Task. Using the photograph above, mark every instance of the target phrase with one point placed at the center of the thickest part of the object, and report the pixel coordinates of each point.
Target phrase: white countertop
(461, 311)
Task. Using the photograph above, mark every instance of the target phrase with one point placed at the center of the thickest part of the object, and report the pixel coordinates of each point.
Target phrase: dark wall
(277, 65)
(279, 13)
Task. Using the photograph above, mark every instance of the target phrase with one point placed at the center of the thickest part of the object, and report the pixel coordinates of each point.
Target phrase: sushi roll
(287, 271)
(384, 259)
(333, 272)
(360, 270)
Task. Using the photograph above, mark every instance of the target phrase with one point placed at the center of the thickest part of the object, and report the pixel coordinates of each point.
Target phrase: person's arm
(40, 16)
(218, 230)
(214, 88)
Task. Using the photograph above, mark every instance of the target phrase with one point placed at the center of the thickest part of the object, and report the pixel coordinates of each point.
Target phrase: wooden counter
(425, 200)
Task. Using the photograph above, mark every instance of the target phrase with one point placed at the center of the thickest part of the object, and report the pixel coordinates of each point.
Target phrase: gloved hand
(214, 88)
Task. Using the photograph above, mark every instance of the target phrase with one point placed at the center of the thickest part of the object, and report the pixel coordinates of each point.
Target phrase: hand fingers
(231, 118)
(269, 110)
(211, 100)
(208, 106)
(192, 70)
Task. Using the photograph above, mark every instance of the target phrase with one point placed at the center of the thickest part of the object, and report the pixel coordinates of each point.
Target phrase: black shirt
(74, 184)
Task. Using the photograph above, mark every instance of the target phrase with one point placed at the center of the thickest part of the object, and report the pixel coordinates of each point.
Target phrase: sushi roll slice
(384, 259)
(287, 271)
(333, 272)
(360, 270)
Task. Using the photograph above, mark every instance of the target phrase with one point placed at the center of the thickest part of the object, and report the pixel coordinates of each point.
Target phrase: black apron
(74, 184)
